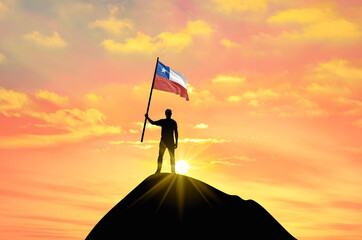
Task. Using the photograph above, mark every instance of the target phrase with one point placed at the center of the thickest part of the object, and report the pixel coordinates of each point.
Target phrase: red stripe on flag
(167, 85)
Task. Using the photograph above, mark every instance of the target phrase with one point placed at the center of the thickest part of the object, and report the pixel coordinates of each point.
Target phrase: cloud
(36, 141)
(228, 79)
(198, 27)
(336, 77)
(173, 41)
(227, 43)
(112, 24)
(151, 143)
(318, 24)
(52, 97)
(93, 98)
(77, 124)
(75, 13)
(354, 106)
(214, 162)
(149, 126)
(203, 98)
(89, 120)
(136, 144)
(327, 89)
(338, 69)
(253, 103)
(233, 99)
(165, 41)
(2, 58)
(301, 107)
(203, 140)
(334, 30)
(11, 102)
(201, 126)
(238, 6)
(261, 93)
(4, 10)
(236, 159)
(54, 41)
(232, 161)
(301, 15)
(135, 131)
(142, 43)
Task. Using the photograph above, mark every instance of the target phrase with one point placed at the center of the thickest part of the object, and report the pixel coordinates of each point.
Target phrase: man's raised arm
(149, 119)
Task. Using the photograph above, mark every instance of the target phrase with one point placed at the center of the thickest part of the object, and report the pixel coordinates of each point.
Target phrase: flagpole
(149, 101)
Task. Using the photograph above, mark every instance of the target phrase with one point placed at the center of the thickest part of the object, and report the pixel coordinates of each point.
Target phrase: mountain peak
(183, 206)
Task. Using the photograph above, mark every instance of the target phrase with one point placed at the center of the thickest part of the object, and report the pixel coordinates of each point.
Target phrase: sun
(182, 167)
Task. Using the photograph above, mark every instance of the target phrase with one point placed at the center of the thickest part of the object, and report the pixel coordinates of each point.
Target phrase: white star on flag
(163, 70)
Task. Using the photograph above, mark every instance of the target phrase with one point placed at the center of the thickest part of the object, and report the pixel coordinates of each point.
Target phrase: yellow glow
(182, 167)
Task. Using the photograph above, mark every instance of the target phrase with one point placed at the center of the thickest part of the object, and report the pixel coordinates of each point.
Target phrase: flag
(169, 80)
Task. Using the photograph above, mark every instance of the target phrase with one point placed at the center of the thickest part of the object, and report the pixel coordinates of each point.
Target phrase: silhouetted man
(169, 126)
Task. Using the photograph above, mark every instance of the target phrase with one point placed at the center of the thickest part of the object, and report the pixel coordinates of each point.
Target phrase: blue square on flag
(163, 70)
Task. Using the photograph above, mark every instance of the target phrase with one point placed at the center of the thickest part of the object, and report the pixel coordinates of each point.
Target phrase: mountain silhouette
(167, 206)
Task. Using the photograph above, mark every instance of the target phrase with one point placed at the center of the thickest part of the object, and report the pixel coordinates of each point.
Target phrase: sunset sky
(275, 110)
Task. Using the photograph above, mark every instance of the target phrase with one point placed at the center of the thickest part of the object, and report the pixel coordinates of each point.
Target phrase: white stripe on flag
(178, 78)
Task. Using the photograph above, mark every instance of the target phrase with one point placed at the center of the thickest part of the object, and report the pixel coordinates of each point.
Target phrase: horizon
(275, 109)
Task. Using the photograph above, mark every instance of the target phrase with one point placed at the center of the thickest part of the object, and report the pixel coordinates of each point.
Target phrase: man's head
(168, 113)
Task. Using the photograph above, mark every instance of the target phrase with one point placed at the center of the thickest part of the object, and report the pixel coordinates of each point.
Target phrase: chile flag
(169, 80)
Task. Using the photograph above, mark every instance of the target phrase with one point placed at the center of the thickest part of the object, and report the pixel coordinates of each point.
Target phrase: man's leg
(160, 156)
(171, 150)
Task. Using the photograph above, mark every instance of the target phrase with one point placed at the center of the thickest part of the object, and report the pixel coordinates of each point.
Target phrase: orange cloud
(12, 102)
(333, 30)
(203, 140)
(227, 43)
(52, 97)
(2, 58)
(317, 24)
(338, 69)
(203, 98)
(142, 43)
(232, 161)
(136, 144)
(335, 78)
(78, 130)
(54, 41)
(93, 98)
(302, 16)
(237, 6)
(165, 41)
(239, 158)
(78, 124)
(261, 93)
(254, 96)
(254, 103)
(234, 99)
(149, 126)
(228, 79)
(300, 106)
(327, 89)
(4, 10)
(354, 106)
(112, 24)
(201, 126)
